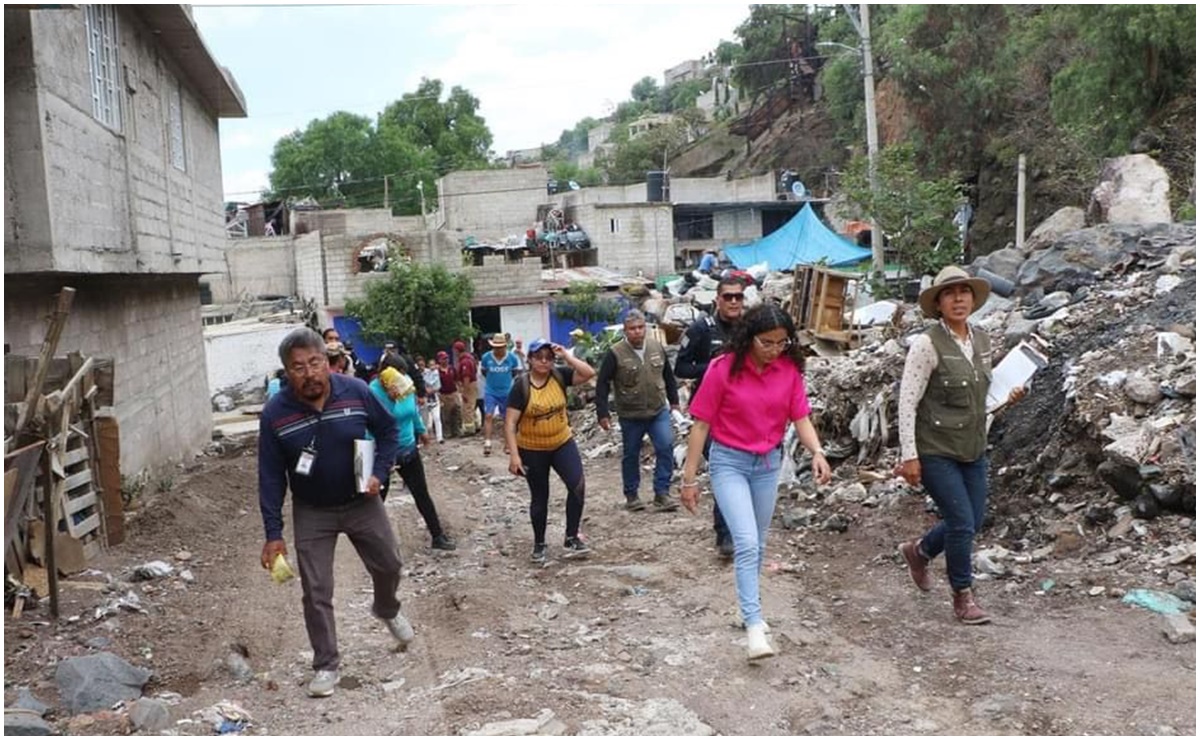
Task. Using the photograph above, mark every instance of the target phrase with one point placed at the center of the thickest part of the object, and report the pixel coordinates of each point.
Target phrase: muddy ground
(639, 639)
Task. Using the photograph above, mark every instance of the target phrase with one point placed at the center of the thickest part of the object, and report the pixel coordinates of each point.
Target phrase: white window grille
(175, 110)
(101, 27)
(614, 225)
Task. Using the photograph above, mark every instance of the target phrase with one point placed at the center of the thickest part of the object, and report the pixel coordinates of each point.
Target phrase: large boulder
(1133, 189)
(1062, 221)
(94, 682)
(1003, 262)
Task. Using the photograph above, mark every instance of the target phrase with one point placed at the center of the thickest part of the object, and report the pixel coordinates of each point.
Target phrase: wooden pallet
(78, 501)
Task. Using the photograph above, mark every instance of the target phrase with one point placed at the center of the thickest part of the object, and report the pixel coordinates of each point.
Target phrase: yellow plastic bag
(281, 572)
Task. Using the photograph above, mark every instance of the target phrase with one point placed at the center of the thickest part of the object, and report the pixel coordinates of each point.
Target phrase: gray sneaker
(539, 554)
(634, 504)
(401, 630)
(323, 684)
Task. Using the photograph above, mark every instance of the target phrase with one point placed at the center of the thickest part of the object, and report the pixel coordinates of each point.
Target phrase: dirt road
(639, 639)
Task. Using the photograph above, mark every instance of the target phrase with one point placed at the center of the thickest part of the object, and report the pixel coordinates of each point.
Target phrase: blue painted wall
(560, 329)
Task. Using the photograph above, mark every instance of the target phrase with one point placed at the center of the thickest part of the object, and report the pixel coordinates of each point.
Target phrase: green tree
(915, 212)
(1132, 60)
(334, 158)
(728, 52)
(424, 306)
(344, 158)
(458, 137)
(644, 90)
(633, 158)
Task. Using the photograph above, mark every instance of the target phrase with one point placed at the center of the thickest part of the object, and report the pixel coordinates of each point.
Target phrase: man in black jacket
(697, 348)
(306, 443)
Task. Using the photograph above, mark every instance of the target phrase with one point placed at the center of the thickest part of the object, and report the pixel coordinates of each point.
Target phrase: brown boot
(967, 611)
(918, 564)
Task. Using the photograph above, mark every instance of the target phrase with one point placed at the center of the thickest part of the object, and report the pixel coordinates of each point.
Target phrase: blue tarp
(803, 240)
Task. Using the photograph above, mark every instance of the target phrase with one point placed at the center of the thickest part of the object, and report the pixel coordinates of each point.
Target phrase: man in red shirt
(448, 396)
(467, 369)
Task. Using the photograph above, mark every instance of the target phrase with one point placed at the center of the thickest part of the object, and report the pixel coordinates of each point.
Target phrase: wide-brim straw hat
(952, 275)
(498, 341)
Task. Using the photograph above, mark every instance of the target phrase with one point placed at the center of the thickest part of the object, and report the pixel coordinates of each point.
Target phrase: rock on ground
(95, 682)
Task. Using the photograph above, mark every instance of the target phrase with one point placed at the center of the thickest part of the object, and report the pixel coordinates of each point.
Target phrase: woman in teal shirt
(398, 393)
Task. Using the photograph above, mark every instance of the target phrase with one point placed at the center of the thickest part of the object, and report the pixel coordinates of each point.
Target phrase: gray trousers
(366, 524)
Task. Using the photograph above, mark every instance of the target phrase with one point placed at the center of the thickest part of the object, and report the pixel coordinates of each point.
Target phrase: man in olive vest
(644, 387)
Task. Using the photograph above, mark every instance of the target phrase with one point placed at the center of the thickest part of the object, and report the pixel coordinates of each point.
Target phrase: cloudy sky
(536, 68)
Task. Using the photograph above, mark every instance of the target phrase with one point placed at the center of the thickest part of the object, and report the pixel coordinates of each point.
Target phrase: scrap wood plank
(57, 322)
(25, 462)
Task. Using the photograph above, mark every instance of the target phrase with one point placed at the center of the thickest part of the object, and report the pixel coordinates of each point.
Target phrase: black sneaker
(665, 503)
(539, 554)
(573, 547)
(634, 504)
(443, 542)
(725, 546)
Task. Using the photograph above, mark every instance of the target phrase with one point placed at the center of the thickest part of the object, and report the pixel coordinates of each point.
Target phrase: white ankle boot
(757, 646)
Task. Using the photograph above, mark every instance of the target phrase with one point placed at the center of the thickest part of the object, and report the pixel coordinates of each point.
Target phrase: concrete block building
(112, 184)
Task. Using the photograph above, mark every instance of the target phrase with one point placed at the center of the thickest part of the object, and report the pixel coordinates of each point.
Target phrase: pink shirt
(752, 412)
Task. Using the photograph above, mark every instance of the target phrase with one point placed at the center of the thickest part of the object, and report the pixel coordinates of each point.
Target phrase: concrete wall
(241, 353)
(497, 280)
(150, 326)
(255, 266)
(526, 321)
(113, 200)
(350, 221)
(491, 204)
(631, 237)
(310, 279)
(735, 227)
(720, 190)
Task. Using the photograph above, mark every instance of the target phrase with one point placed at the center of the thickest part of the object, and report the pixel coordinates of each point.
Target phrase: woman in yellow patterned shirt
(539, 437)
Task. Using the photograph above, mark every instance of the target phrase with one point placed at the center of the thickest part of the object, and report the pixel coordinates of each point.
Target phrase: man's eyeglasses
(772, 344)
(543, 356)
(733, 297)
(315, 365)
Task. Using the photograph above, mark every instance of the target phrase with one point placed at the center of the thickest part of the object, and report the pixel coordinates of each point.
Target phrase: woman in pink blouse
(749, 395)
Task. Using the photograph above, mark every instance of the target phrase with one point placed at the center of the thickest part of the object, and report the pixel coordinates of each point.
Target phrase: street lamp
(862, 24)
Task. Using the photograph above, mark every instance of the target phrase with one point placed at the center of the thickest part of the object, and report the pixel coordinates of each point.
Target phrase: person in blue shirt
(708, 262)
(499, 367)
(306, 444)
(396, 391)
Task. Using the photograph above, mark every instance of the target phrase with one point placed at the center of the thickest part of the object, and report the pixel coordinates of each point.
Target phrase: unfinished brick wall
(150, 326)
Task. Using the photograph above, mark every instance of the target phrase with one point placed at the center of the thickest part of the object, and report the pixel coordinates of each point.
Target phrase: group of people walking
(749, 369)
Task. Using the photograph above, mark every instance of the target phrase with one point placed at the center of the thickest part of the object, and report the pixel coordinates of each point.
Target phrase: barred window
(101, 26)
(175, 110)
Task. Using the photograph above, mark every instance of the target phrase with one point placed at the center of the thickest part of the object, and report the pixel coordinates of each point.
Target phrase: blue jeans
(662, 436)
(960, 491)
(745, 486)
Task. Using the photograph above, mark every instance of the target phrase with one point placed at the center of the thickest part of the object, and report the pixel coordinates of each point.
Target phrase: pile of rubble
(1104, 442)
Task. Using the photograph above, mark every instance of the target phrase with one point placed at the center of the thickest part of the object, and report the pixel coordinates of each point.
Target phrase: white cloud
(245, 185)
(537, 71)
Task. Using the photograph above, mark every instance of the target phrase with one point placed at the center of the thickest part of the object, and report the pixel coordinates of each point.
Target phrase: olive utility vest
(638, 385)
(952, 415)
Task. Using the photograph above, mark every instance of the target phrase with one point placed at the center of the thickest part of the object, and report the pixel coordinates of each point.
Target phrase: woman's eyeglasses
(733, 297)
(772, 344)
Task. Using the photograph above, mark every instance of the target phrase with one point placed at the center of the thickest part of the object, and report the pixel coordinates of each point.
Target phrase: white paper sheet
(1014, 371)
(364, 462)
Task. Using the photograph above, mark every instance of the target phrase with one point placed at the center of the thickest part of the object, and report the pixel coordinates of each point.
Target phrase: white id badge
(305, 463)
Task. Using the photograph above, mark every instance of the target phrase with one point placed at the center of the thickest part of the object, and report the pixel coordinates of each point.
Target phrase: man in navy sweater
(306, 442)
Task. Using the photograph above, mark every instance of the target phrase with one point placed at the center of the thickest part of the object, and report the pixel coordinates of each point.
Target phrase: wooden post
(59, 320)
(50, 518)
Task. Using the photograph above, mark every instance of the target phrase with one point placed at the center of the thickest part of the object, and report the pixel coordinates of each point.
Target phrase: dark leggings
(412, 472)
(565, 461)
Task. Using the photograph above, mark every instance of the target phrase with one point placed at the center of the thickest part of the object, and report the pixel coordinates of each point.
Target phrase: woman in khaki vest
(943, 432)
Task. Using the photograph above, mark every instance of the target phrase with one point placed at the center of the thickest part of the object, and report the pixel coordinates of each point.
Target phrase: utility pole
(385, 192)
(1021, 202)
(421, 190)
(862, 24)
